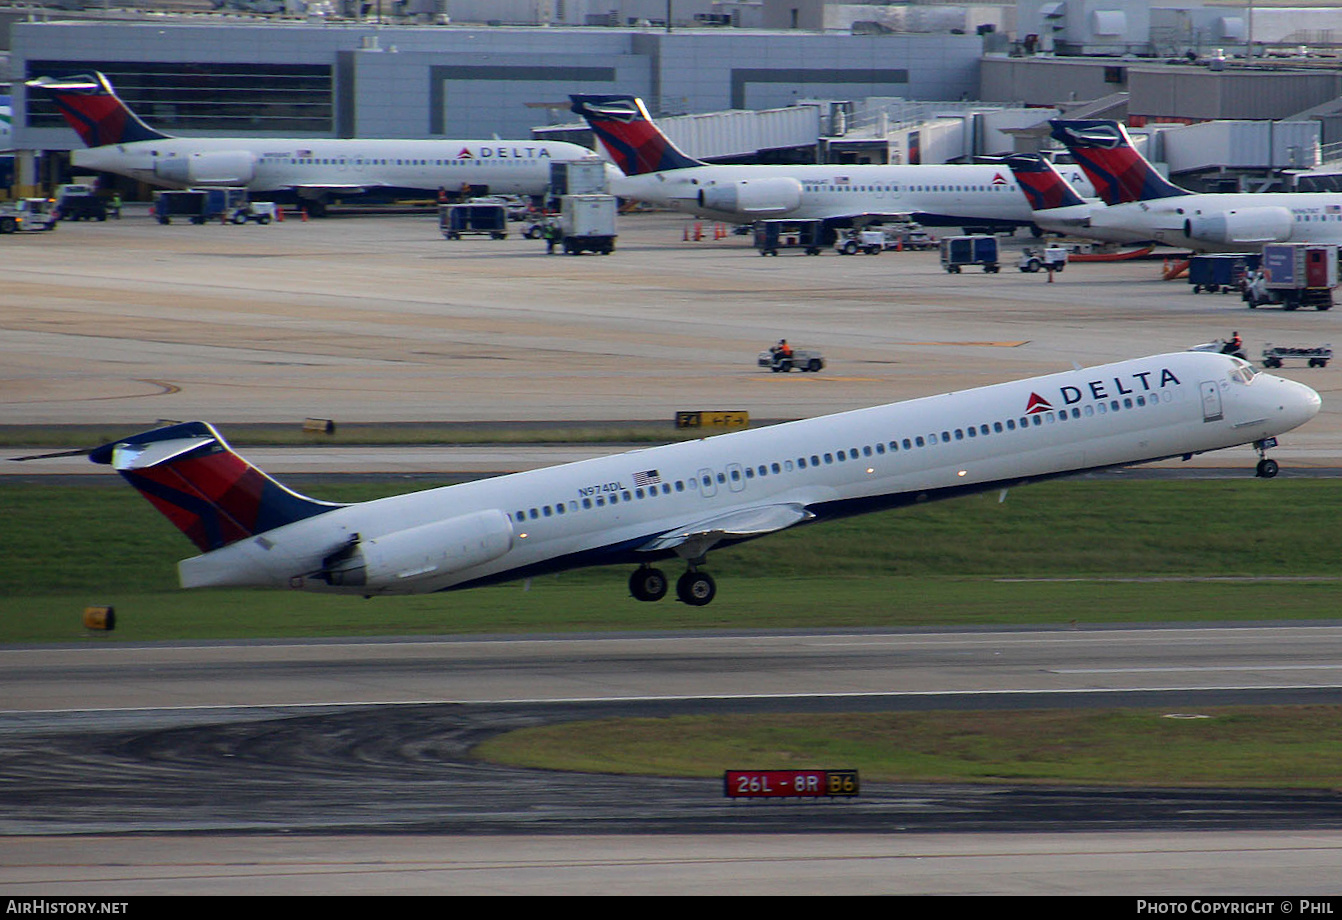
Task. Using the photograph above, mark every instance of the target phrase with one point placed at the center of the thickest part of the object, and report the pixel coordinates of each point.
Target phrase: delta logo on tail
(1044, 186)
(210, 493)
(626, 131)
(1105, 152)
(96, 112)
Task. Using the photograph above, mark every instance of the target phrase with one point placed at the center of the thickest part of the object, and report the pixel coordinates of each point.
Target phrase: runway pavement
(359, 754)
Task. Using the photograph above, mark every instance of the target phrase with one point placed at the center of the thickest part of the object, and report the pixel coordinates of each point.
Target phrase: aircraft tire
(696, 588)
(648, 584)
(1267, 468)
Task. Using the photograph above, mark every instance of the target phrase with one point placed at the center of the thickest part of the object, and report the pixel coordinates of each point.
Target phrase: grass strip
(1245, 747)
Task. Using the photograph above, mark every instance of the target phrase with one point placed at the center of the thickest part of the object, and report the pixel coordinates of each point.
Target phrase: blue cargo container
(959, 251)
(1220, 272)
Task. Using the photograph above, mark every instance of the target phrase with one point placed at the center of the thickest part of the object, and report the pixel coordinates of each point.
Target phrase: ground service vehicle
(263, 212)
(1045, 258)
(73, 205)
(28, 214)
(1294, 275)
(905, 238)
(473, 219)
(773, 235)
(201, 205)
(978, 249)
(587, 223)
(578, 177)
(803, 359)
(870, 242)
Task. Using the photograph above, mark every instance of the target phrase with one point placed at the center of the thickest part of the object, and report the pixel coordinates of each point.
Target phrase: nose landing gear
(1267, 468)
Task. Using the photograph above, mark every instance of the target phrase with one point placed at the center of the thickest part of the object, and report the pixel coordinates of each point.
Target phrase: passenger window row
(736, 474)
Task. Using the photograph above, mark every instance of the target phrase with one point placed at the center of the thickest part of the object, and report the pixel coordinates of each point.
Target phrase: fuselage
(261, 165)
(614, 509)
(1230, 222)
(934, 195)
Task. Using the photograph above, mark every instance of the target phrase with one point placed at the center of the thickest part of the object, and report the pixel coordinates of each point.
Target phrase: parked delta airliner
(657, 172)
(1146, 203)
(1059, 209)
(683, 500)
(312, 168)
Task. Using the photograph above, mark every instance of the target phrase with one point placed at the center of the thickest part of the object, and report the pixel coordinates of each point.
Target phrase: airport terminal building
(212, 76)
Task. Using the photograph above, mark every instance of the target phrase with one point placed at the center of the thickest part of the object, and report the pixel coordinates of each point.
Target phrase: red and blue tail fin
(1043, 185)
(95, 111)
(626, 130)
(1105, 152)
(190, 474)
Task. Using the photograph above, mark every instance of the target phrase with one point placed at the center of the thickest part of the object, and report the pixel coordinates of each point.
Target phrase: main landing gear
(1267, 468)
(694, 587)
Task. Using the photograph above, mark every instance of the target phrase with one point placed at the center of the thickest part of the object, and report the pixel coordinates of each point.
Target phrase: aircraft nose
(1299, 403)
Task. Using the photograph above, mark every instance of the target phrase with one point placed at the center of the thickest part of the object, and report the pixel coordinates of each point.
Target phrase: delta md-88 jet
(313, 169)
(1140, 203)
(683, 500)
(657, 172)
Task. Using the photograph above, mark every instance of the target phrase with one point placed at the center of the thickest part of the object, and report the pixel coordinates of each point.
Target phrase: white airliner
(1058, 208)
(1144, 204)
(682, 500)
(656, 171)
(312, 168)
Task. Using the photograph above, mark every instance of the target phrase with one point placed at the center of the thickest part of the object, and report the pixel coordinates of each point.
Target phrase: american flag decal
(647, 478)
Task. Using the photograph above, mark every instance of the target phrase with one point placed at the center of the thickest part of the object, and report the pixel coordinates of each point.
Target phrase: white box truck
(587, 223)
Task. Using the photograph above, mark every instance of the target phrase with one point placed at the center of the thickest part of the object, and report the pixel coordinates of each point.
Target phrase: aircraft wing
(337, 187)
(695, 539)
(866, 217)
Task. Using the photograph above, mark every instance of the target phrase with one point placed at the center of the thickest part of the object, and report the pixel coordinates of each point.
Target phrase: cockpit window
(1243, 372)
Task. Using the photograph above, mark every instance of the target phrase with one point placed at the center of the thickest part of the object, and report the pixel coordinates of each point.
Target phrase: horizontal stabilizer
(190, 474)
(143, 456)
(748, 522)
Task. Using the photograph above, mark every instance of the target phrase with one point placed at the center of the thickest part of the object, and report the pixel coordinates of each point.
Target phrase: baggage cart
(773, 235)
(199, 205)
(1314, 355)
(473, 219)
(1220, 272)
(977, 249)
